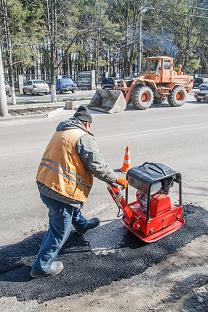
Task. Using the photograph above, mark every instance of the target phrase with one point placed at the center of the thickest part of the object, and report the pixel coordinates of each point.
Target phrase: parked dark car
(198, 81)
(107, 83)
(65, 85)
(202, 94)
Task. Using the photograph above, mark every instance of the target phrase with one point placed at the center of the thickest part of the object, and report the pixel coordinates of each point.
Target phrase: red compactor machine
(152, 216)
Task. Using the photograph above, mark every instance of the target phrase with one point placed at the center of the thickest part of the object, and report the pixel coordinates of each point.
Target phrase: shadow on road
(107, 253)
(197, 103)
(130, 107)
(24, 252)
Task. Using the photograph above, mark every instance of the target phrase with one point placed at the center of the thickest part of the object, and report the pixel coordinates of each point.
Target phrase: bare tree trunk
(70, 65)
(9, 50)
(97, 48)
(3, 100)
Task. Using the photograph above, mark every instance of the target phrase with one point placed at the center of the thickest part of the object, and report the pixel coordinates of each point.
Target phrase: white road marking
(138, 134)
(154, 131)
(28, 150)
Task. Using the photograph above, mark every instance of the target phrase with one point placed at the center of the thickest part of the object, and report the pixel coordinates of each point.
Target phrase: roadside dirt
(31, 111)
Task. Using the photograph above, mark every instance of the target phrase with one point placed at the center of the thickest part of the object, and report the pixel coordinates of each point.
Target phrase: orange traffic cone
(127, 161)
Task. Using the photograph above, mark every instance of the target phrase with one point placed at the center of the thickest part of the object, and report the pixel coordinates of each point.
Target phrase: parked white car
(7, 89)
(35, 87)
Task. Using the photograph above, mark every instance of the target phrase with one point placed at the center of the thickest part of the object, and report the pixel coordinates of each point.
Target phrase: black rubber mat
(84, 268)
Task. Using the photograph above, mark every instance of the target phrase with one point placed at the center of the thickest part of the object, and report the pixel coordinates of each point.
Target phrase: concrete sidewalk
(57, 107)
(35, 99)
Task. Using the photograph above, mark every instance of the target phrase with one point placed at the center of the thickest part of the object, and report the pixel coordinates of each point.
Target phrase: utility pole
(143, 10)
(140, 44)
(126, 57)
(52, 12)
(3, 100)
(51, 22)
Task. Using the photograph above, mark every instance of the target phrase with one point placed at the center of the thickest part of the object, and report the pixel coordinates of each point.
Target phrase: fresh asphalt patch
(106, 254)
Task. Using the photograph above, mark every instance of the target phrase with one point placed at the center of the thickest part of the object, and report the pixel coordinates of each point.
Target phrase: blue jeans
(61, 217)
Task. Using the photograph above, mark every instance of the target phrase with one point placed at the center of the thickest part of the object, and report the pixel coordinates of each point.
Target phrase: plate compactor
(151, 216)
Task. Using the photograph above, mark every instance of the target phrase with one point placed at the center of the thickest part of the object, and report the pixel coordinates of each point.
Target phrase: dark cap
(83, 114)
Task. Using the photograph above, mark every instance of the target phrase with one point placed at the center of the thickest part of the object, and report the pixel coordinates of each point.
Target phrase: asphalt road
(174, 136)
(95, 270)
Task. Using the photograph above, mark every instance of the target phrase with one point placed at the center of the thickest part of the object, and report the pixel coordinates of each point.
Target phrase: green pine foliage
(102, 34)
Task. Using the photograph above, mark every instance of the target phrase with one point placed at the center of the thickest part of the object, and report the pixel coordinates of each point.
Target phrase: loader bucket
(108, 101)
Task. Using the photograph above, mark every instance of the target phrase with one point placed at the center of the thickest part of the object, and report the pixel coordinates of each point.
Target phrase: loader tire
(177, 96)
(142, 97)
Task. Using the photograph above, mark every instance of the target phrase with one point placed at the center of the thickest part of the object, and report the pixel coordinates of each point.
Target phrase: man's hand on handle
(123, 182)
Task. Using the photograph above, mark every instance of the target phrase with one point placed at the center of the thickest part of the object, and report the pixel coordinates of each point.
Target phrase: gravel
(84, 270)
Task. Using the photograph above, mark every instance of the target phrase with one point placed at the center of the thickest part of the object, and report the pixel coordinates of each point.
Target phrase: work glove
(123, 182)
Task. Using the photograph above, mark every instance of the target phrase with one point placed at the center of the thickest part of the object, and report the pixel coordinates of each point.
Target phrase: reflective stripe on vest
(58, 166)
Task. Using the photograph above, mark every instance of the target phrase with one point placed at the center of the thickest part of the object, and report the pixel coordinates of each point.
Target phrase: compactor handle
(117, 196)
(120, 189)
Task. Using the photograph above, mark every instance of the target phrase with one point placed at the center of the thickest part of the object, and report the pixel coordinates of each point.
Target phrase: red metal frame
(164, 218)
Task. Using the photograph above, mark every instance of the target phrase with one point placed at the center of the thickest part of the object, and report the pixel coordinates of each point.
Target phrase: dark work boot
(91, 224)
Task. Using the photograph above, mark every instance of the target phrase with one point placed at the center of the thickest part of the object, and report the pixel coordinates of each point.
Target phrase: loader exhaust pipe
(108, 101)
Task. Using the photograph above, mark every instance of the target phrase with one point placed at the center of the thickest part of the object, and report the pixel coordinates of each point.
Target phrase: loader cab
(152, 65)
(152, 69)
(160, 69)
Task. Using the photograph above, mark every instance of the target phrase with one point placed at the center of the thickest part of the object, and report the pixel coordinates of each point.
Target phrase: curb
(54, 112)
(58, 103)
(37, 116)
(86, 98)
(71, 105)
(33, 105)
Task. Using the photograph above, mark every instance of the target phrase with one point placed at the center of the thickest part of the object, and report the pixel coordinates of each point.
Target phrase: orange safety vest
(61, 168)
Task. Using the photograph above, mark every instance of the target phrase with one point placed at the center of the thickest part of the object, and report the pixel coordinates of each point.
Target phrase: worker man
(64, 179)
